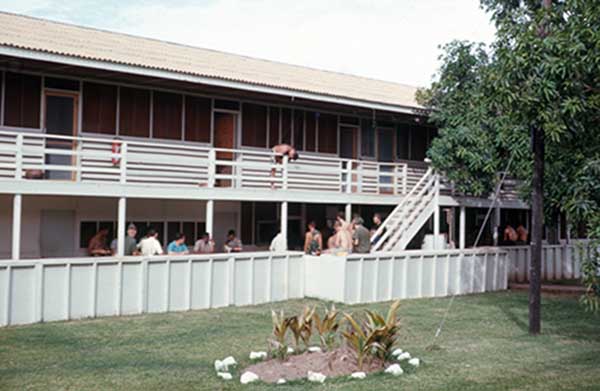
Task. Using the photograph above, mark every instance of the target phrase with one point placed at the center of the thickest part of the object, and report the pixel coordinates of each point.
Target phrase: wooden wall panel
(134, 112)
(198, 113)
(167, 115)
(99, 108)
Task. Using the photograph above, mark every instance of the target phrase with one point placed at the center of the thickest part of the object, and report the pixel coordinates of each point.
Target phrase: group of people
(348, 237)
(150, 245)
(515, 236)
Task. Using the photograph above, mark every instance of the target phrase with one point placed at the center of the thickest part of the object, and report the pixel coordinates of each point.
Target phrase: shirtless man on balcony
(279, 151)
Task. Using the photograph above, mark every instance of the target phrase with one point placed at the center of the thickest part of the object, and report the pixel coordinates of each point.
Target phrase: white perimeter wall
(227, 216)
(62, 289)
(364, 278)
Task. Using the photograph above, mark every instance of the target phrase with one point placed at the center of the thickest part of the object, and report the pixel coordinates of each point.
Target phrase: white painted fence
(375, 277)
(561, 261)
(62, 289)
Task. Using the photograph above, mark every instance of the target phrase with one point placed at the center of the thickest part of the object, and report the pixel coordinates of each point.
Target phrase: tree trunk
(537, 226)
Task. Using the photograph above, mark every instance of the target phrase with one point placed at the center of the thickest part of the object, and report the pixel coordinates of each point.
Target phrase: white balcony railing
(26, 155)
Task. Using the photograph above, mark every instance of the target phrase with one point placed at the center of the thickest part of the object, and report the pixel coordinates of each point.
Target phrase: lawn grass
(484, 346)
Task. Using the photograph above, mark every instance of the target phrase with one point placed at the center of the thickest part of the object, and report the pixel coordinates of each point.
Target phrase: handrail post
(212, 156)
(19, 157)
(78, 160)
(284, 173)
(359, 172)
(123, 163)
(349, 176)
(404, 178)
(436, 213)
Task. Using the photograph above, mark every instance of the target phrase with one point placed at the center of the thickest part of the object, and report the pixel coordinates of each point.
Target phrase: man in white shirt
(149, 245)
(278, 244)
(204, 245)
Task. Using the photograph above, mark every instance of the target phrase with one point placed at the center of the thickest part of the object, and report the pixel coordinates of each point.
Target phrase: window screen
(254, 125)
(167, 115)
(197, 119)
(99, 108)
(274, 114)
(403, 141)
(134, 112)
(367, 139)
(286, 126)
(298, 129)
(310, 131)
(22, 100)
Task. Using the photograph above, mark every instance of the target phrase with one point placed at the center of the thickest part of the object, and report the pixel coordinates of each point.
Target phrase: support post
(19, 157)
(496, 225)
(212, 156)
(210, 210)
(284, 221)
(123, 163)
(436, 214)
(462, 227)
(284, 173)
(121, 227)
(16, 227)
(348, 213)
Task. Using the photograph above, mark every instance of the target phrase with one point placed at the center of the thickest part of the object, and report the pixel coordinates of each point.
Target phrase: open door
(60, 119)
(349, 150)
(224, 137)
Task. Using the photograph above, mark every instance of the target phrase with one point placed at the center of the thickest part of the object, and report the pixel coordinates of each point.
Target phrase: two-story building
(99, 129)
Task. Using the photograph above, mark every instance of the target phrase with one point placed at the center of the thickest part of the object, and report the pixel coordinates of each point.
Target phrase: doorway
(349, 150)
(224, 137)
(60, 119)
(385, 153)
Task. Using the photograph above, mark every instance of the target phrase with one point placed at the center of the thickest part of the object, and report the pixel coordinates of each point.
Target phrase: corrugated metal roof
(41, 35)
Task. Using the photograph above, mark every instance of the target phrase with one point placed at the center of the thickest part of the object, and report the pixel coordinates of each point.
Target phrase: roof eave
(212, 81)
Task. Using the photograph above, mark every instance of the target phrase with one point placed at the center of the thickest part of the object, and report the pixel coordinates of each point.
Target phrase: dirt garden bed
(334, 363)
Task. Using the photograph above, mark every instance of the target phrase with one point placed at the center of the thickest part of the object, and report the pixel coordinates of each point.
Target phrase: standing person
(150, 245)
(278, 244)
(232, 243)
(130, 242)
(339, 242)
(510, 235)
(345, 232)
(279, 151)
(97, 246)
(313, 240)
(522, 234)
(377, 221)
(178, 246)
(361, 237)
(204, 245)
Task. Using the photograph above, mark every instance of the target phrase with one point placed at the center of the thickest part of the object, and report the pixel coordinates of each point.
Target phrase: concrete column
(16, 227)
(210, 211)
(348, 213)
(462, 222)
(284, 221)
(121, 228)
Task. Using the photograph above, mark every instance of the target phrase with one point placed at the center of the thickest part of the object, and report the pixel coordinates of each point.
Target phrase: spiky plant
(277, 345)
(301, 326)
(327, 327)
(389, 327)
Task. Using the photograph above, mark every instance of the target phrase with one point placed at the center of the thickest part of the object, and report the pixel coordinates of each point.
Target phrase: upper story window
(286, 126)
(310, 131)
(134, 112)
(367, 139)
(61, 84)
(254, 125)
(22, 96)
(274, 125)
(413, 141)
(227, 104)
(99, 108)
(167, 115)
(298, 129)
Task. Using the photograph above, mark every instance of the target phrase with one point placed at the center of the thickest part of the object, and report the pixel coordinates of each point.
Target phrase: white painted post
(436, 213)
(348, 213)
(121, 227)
(462, 227)
(123, 163)
(496, 225)
(212, 157)
(210, 210)
(284, 222)
(284, 172)
(349, 176)
(16, 226)
(19, 157)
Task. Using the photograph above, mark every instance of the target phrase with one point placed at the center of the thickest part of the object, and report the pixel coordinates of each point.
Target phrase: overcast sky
(395, 40)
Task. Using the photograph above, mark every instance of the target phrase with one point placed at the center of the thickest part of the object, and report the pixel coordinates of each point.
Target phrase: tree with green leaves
(530, 104)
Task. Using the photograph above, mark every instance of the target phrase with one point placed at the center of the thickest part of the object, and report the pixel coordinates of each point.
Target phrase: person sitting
(130, 242)
(178, 246)
(279, 151)
(522, 234)
(232, 243)
(278, 244)
(361, 237)
(510, 235)
(204, 245)
(97, 245)
(313, 240)
(150, 245)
